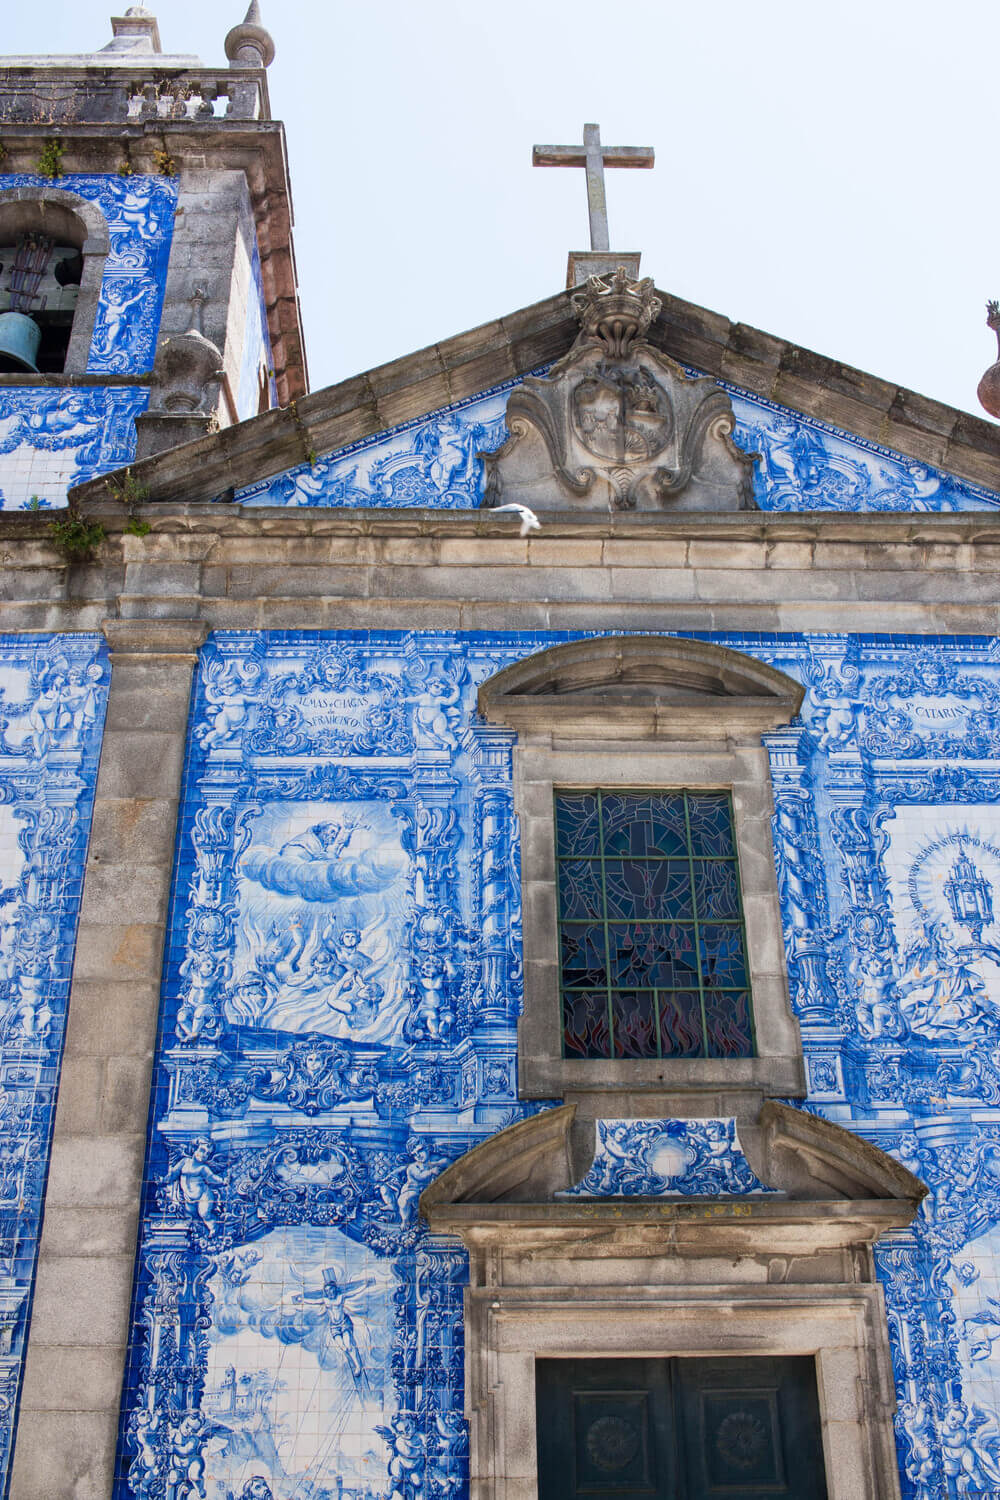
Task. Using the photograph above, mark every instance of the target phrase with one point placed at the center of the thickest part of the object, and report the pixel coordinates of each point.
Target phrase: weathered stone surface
(617, 426)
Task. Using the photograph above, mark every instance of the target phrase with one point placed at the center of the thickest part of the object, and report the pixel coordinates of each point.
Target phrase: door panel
(679, 1429)
(749, 1429)
(604, 1429)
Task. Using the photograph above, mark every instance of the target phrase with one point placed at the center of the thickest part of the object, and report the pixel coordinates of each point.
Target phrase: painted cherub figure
(197, 1184)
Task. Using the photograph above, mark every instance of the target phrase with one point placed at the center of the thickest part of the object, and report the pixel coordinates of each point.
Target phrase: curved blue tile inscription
(341, 991)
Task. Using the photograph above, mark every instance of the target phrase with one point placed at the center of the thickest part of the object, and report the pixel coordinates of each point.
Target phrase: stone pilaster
(68, 1422)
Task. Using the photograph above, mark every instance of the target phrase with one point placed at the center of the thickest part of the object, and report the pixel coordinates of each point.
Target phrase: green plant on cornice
(163, 162)
(34, 503)
(75, 537)
(50, 162)
(131, 494)
(125, 167)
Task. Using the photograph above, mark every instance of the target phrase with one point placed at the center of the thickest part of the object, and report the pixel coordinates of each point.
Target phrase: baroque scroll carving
(617, 425)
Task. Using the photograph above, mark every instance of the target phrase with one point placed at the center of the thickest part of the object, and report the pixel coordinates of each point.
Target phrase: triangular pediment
(407, 434)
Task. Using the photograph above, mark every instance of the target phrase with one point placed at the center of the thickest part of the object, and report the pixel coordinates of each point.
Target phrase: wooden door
(679, 1429)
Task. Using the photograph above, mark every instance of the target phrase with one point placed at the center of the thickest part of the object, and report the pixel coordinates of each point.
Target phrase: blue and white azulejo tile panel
(339, 1008)
(53, 692)
(140, 216)
(341, 991)
(427, 462)
(667, 1159)
(54, 438)
(803, 464)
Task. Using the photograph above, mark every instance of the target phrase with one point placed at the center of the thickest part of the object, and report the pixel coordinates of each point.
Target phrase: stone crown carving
(616, 425)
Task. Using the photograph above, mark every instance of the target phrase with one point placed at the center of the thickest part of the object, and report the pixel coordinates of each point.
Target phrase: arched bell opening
(52, 251)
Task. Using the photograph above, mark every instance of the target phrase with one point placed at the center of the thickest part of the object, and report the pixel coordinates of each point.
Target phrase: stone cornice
(177, 518)
(377, 569)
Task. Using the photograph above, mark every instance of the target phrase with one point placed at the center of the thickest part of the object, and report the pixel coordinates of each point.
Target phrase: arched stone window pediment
(69, 223)
(797, 1156)
(635, 725)
(655, 687)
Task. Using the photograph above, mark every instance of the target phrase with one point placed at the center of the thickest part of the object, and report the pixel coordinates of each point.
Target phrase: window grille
(653, 959)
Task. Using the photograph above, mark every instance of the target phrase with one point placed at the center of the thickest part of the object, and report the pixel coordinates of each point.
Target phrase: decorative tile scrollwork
(51, 439)
(340, 1001)
(801, 464)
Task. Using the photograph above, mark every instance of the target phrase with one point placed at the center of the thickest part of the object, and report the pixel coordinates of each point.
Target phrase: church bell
(20, 337)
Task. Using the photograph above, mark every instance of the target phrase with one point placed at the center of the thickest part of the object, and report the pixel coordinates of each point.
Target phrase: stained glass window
(653, 954)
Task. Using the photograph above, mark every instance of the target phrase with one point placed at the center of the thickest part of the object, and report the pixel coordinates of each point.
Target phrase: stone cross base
(586, 263)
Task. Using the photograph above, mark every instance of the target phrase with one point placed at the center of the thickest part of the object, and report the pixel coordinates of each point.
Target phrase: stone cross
(594, 157)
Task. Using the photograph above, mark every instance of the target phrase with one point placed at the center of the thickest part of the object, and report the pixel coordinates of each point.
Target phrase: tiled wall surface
(339, 1009)
(803, 465)
(53, 438)
(53, 692)
(256, 346)
(140, 216)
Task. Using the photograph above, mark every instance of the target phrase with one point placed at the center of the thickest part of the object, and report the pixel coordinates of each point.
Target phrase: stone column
(68, 1423)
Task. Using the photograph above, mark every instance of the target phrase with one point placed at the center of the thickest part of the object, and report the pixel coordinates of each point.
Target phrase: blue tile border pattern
(803, 465)
(52, 439)
(53, 694)
(340, 997)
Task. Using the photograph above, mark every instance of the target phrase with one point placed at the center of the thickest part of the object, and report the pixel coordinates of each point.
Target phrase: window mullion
(697, 926)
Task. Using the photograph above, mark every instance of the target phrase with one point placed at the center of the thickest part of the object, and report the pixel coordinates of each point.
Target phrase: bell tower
(147, 276)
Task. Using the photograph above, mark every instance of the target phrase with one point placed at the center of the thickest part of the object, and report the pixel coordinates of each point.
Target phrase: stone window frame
(647, 713)
(65, 214)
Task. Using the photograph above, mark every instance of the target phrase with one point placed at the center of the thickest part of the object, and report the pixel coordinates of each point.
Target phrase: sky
(824, 173)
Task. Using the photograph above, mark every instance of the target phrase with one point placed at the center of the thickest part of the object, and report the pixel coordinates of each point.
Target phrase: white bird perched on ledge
(529, 521)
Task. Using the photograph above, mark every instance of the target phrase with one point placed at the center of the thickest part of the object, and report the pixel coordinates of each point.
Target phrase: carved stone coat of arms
(617, 425)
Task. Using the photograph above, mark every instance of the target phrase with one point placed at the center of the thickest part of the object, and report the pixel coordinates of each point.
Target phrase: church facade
(499, 870)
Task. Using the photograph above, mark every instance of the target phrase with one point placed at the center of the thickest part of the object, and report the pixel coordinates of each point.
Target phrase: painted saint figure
(940, 994)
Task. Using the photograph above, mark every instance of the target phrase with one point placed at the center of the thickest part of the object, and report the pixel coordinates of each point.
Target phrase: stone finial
(186, 382)
(250, 45)
(615, 311)
(136, 31)
(989, 387)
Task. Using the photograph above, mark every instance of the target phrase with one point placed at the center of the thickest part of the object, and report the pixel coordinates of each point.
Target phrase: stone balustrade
(96, 95)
